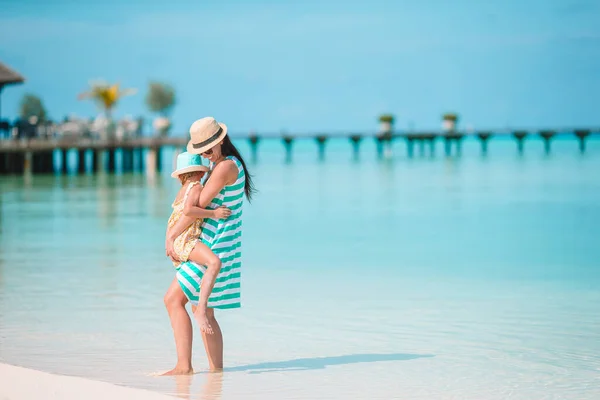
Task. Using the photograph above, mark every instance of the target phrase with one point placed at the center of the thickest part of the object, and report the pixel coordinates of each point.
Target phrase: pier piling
(81, 161)
(127, 159)
(483, 138)
(36, 162)
(430, 138)
(15, 163)
(288, 141)
(158, 158)
(355, 140)
(547, 136)
(520, 137)
(321, 140)
(110, 162)
(64, 161)
(410, 146)
(455, 138)
(447, 146)
(138, 159)
(2, 163)
(422, 147)
(253, 139)
(96, 160)
(582, 135)
(42, 162)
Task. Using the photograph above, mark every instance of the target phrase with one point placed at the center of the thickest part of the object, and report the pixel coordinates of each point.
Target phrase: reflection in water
(182, 386)
(107, 206)
(210, 390)
(213, 387)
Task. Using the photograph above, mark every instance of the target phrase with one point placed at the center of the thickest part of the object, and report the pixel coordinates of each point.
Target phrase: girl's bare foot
(178, 371)
(200, 315)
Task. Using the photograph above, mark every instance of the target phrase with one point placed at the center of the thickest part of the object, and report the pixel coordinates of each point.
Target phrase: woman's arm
(225, 173)
(191, 209)
(221, 177)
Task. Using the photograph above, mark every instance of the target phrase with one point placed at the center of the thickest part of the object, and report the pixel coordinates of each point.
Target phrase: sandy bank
(18, 383)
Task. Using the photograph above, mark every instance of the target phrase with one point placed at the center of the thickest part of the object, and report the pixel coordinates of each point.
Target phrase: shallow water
(469, 278)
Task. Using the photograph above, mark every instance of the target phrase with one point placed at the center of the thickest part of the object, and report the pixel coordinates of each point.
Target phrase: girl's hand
(170, 250)
(222, 213)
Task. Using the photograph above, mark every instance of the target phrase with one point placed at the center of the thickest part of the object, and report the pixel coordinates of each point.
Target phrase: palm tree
(32, 109)
(106, 96)
(161, 99)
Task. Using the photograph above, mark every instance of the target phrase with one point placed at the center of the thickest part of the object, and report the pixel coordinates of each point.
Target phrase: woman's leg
(175, 302)
(209, 327)
(202, 255)
(213, 343)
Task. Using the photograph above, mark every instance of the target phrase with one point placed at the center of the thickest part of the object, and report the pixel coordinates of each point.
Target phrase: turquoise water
(447, 278)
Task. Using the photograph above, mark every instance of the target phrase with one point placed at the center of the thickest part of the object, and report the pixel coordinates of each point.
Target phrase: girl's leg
(175, 302)
(202, 255)
(213, 343)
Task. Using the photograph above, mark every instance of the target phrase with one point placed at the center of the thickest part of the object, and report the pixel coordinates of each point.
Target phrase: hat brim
(191, 168)
(190, 146)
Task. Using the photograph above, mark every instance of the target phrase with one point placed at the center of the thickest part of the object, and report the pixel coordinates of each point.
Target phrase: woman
(227, 182)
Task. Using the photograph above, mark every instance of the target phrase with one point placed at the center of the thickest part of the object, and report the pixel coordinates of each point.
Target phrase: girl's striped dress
(224, 238)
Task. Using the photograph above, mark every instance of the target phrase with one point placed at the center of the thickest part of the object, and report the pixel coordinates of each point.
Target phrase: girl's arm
(186, 219)
(181, 224)
(225, 173)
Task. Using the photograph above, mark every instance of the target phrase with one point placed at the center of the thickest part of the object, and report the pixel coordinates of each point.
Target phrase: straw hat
(187, 162)
(205, 133)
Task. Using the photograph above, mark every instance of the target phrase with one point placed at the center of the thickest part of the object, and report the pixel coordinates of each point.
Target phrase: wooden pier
(426, 141)
(37, 156)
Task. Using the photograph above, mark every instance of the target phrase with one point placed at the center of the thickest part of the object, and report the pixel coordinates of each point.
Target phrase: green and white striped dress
(224, 238)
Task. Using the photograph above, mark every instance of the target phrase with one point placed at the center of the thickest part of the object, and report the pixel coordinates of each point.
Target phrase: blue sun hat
(188, 162)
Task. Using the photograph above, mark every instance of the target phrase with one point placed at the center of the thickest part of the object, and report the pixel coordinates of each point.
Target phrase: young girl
(188, 245)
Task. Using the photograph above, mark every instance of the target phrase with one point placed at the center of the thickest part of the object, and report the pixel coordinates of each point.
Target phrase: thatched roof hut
(8, 76)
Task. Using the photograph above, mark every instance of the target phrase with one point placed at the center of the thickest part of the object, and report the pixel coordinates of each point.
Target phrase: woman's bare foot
(200, 315)
(178, 371)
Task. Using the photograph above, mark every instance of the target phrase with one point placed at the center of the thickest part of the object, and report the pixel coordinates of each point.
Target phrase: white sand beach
(18, 383)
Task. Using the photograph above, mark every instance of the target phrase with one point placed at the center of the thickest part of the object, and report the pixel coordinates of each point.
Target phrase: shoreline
(18, 383)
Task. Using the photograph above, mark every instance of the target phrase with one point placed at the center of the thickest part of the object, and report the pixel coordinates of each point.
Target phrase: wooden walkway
(37, 155)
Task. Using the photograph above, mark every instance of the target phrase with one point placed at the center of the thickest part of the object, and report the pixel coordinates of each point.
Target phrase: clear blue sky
(316, 65)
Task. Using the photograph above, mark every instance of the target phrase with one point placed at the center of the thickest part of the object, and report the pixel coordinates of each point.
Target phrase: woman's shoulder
(227, 166)
(225, 172)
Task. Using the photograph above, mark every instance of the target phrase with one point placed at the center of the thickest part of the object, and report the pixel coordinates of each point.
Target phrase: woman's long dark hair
(228, 149)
